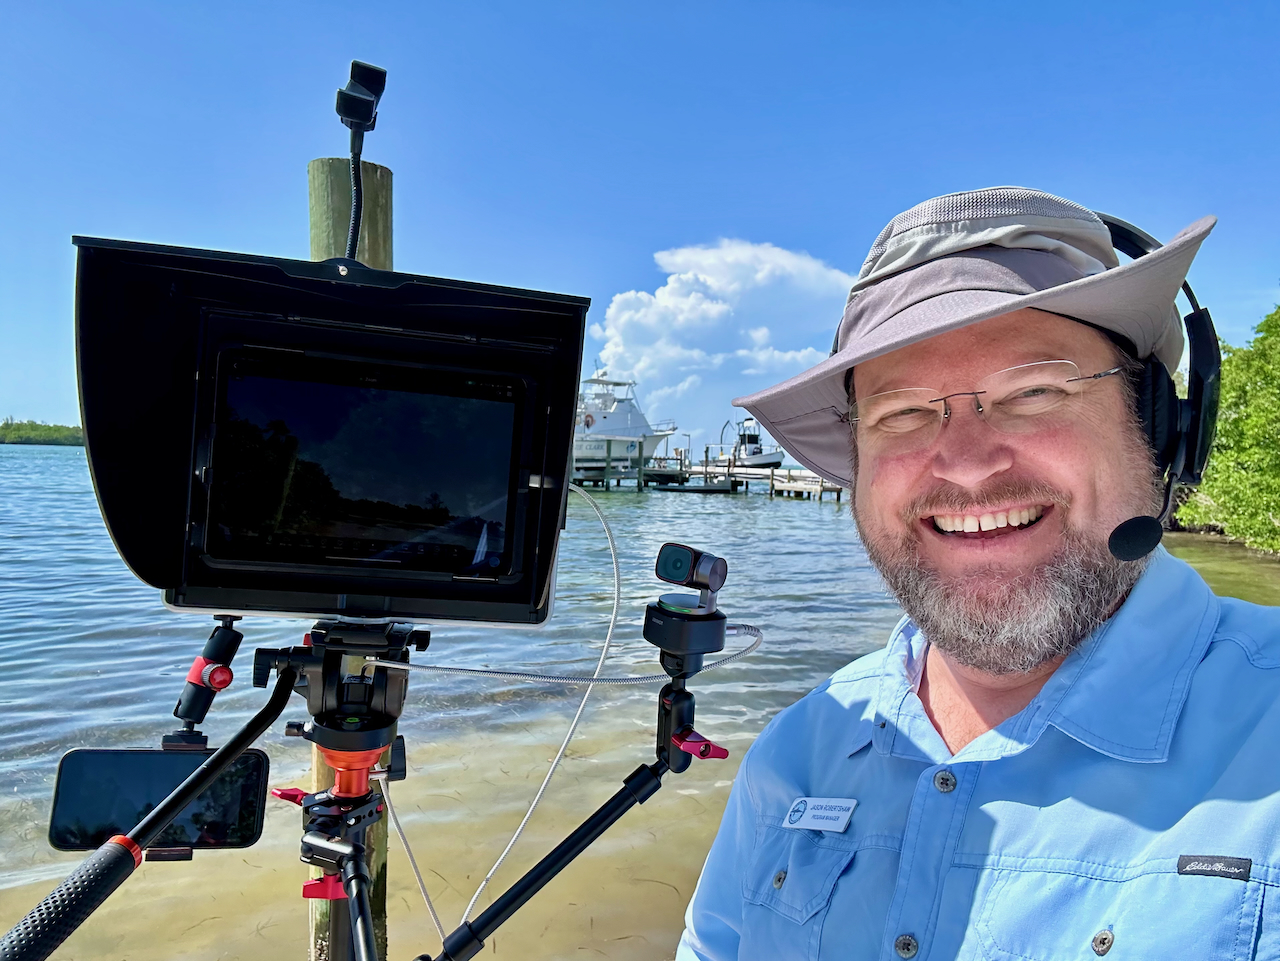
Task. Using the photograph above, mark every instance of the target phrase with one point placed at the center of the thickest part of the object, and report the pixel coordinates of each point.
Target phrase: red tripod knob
(691, 742)
(328, 887)
(291, 794)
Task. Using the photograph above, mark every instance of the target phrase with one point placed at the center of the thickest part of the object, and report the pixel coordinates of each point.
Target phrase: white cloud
(767, 360)
(730, 318)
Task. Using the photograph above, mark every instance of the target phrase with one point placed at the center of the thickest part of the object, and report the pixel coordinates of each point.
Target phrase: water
(89, 657)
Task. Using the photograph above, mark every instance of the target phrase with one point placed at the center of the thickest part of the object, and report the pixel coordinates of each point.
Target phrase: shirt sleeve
(713, 921)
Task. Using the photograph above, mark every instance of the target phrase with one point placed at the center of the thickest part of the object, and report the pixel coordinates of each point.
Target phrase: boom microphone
(1139, 536)
(1135, 538)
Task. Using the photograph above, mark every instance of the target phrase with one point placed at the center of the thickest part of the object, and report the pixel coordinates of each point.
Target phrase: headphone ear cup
(1158, 405)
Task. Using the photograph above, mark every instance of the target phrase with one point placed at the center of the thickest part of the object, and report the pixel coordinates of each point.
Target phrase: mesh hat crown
(963, 258)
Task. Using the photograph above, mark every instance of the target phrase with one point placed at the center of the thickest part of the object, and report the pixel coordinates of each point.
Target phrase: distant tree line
(32, 432)
(1240, 495)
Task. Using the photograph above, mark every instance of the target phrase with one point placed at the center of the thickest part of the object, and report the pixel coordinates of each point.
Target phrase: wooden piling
(329, 193)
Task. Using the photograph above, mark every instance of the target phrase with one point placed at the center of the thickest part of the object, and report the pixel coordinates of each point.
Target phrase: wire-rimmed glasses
(1017, 400)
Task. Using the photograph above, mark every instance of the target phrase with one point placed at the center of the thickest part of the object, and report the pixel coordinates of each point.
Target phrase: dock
(679, 474)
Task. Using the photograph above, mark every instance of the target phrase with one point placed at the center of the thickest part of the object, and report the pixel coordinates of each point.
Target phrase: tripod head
(353, 712)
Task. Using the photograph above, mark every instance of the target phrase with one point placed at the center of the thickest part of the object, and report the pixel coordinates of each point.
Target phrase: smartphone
(101, 793)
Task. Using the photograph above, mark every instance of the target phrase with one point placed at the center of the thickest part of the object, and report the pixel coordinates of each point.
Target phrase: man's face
(1075, 477)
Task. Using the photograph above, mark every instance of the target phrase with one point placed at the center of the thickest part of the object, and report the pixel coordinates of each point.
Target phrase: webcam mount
(357, 107)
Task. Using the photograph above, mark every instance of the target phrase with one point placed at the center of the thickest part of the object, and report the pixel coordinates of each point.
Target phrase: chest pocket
(787, 891)
(1043, 916)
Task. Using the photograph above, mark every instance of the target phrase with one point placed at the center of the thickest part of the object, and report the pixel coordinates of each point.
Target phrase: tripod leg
(339, 944)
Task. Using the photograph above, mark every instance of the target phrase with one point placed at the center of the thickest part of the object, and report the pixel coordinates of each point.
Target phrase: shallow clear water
(89, 656)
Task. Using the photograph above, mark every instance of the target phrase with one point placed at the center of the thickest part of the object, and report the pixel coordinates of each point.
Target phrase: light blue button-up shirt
(1132, 809)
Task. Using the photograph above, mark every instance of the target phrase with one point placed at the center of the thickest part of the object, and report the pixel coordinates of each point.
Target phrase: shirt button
(906, 945)
(779, 878)
(944, 781)
(1102, 942)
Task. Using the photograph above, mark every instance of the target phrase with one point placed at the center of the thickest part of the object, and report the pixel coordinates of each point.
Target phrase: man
(1059, 754)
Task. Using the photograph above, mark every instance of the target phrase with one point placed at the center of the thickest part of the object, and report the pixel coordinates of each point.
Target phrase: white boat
(610, 420)
(747, 450)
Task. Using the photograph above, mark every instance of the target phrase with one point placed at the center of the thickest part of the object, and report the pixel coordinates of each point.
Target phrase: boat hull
(588, 450)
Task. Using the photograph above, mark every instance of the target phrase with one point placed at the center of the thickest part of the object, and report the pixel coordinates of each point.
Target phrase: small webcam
(678, 564)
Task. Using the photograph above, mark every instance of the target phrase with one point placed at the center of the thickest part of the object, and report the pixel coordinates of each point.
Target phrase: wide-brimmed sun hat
(962, 258)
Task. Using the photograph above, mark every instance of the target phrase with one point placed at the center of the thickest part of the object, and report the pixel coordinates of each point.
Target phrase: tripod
(353, 723)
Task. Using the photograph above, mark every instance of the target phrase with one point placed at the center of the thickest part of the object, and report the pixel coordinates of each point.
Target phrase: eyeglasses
(1018, 400)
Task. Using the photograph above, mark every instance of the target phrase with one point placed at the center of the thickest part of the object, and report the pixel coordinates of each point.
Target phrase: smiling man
(1059, 753)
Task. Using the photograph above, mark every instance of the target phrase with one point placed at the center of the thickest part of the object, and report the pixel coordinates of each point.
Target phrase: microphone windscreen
(1135, 538)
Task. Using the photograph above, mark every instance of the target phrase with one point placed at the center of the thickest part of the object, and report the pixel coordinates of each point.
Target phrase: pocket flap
(793, 872)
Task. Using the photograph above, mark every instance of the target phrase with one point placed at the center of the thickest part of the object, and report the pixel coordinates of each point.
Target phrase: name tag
(820, 814)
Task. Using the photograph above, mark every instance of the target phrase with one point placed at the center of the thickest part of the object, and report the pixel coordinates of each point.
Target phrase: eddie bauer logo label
(1215, 867)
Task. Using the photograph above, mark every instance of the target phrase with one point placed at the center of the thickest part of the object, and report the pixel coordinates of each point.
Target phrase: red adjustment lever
(293, 794)
(325, 888)
(691, 742)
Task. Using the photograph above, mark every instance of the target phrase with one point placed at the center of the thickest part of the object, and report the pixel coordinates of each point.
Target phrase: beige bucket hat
(967, 257)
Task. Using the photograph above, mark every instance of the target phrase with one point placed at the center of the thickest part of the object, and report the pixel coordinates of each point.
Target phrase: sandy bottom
(624, 898)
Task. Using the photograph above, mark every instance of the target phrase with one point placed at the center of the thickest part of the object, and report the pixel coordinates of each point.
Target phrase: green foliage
(1241, 489)
(30, 432)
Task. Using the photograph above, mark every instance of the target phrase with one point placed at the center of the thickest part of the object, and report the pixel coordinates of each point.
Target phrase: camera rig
(241, 500)
(353, 717)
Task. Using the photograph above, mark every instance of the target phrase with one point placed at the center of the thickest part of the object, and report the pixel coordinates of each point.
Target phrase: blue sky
(709, 173)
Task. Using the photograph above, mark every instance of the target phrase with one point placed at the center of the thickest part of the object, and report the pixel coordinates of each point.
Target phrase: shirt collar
(1120, 692)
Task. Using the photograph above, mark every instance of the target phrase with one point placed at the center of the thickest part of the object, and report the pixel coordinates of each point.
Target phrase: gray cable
(590, 680)
(404, 841)
(573, 725)
(731, 630)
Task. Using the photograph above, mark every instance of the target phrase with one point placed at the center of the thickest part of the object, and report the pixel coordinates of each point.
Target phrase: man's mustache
(948, 498)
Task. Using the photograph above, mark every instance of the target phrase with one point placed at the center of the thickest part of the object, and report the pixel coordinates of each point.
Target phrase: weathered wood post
(329, 192)
(608, 461)
(771, 491)
(640, 467)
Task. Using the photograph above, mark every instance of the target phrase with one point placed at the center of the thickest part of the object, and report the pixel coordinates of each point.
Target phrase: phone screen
(101, 793)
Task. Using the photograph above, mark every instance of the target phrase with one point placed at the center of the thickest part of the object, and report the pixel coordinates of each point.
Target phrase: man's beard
(1004, 623)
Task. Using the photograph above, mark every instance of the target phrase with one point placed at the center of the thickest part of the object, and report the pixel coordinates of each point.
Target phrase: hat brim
(807, 413)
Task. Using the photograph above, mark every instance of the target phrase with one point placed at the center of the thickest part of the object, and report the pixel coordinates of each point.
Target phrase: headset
(1179, 430)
